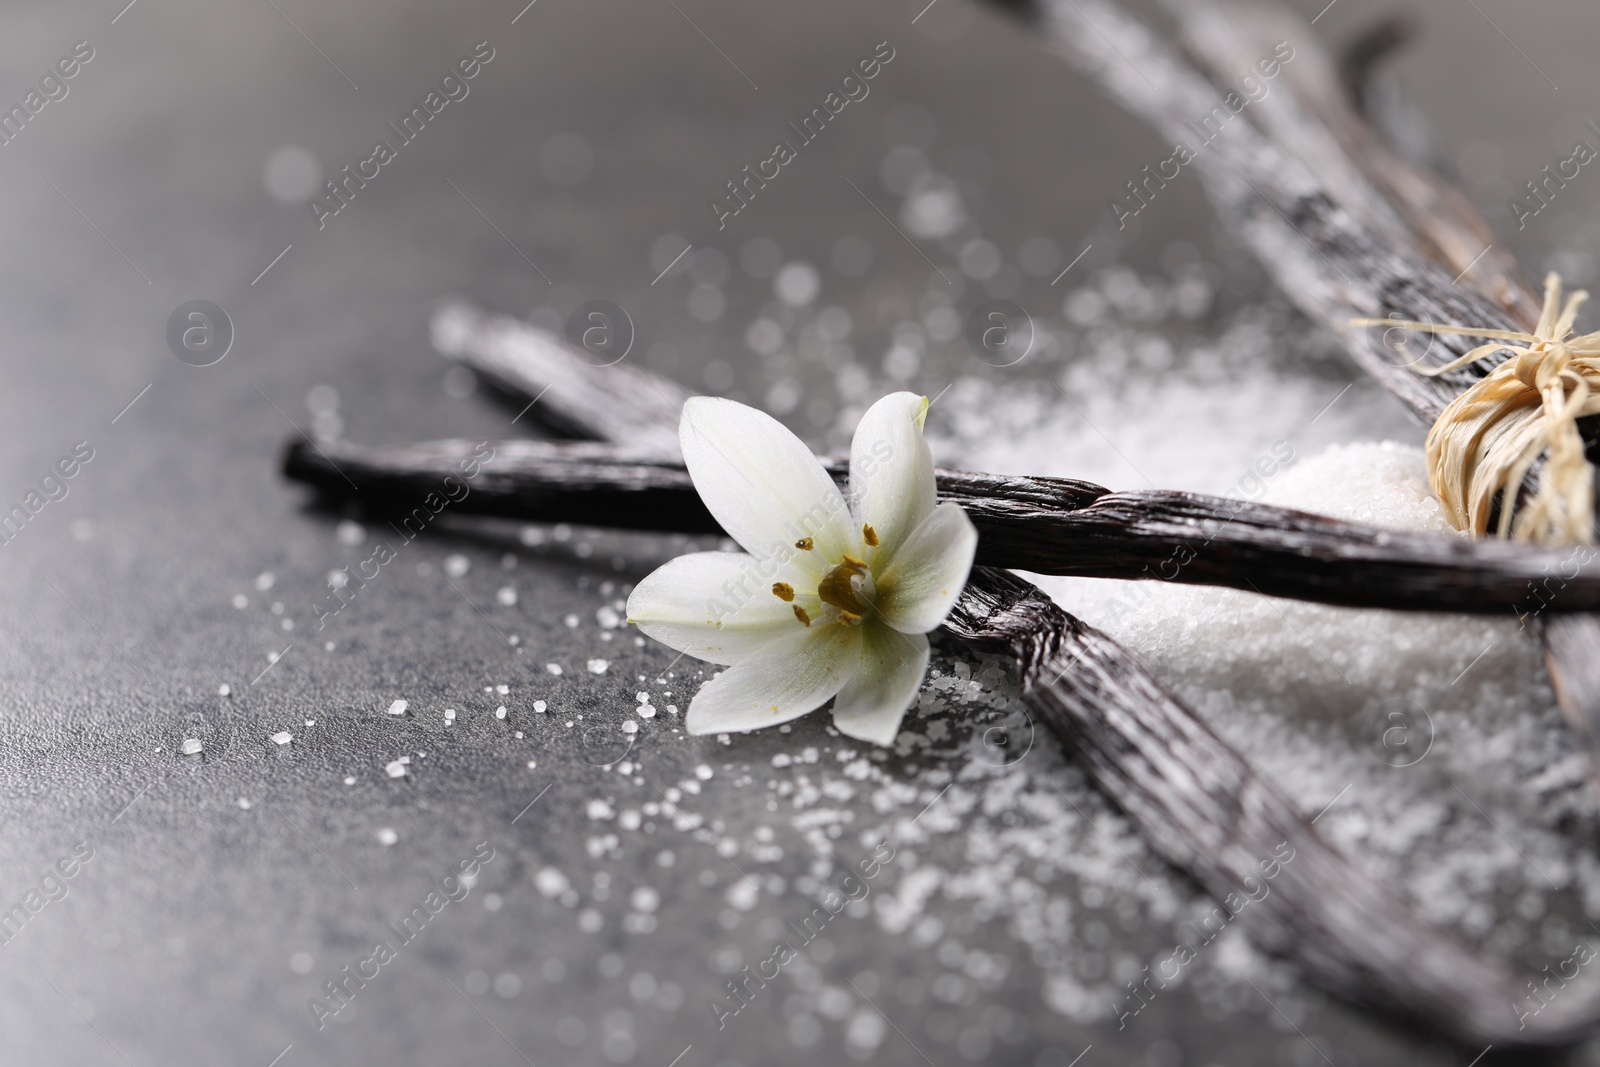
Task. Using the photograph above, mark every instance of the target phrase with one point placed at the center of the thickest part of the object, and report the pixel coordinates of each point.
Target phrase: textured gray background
(174, 943)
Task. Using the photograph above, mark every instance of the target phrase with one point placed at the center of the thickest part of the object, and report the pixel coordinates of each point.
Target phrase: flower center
(848, 587)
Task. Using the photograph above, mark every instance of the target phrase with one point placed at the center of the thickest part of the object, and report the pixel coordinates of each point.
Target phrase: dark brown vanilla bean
(1202, 807)
(568, 390)
(1044, 525)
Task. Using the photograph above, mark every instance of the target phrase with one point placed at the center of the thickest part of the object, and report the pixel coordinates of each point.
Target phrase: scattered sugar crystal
(540, 706)
(244, 803)
(224, 690)
(646, 711)
(241, 601)
(455, 565)
(608, 617)
(500, 712)
(191, 746)
(387, 836)
(553, 668)
(398, 707)
(506, 595)
(571, 622)
(630, 727)
(350, 533)
(282, 737)
(395, 769)
(598, 666)
(550, 882)
(502, 689)
(349, 779)
(742, 894)
(264, 581)
(450, 716)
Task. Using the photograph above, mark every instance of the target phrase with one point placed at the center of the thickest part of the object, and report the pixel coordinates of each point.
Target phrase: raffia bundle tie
(1484, 443)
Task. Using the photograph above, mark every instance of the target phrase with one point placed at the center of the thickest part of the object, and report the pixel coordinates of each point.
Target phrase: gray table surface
(226, 888)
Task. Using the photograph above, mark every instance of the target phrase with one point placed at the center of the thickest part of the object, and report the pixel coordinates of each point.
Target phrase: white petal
(715, 606)
(870, 706)
(761, 483)
(780, 681)
(925, 576)
(891, 470)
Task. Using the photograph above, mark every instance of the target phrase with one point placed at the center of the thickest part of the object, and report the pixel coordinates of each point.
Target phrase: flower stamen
(869, 535)
(783, 591)
(800, 613)
(805, 544)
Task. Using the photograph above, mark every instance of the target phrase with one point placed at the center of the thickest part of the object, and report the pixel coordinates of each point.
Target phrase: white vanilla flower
(828, 600)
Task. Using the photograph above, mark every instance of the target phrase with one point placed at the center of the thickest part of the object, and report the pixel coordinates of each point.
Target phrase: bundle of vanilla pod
(1351, 231)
